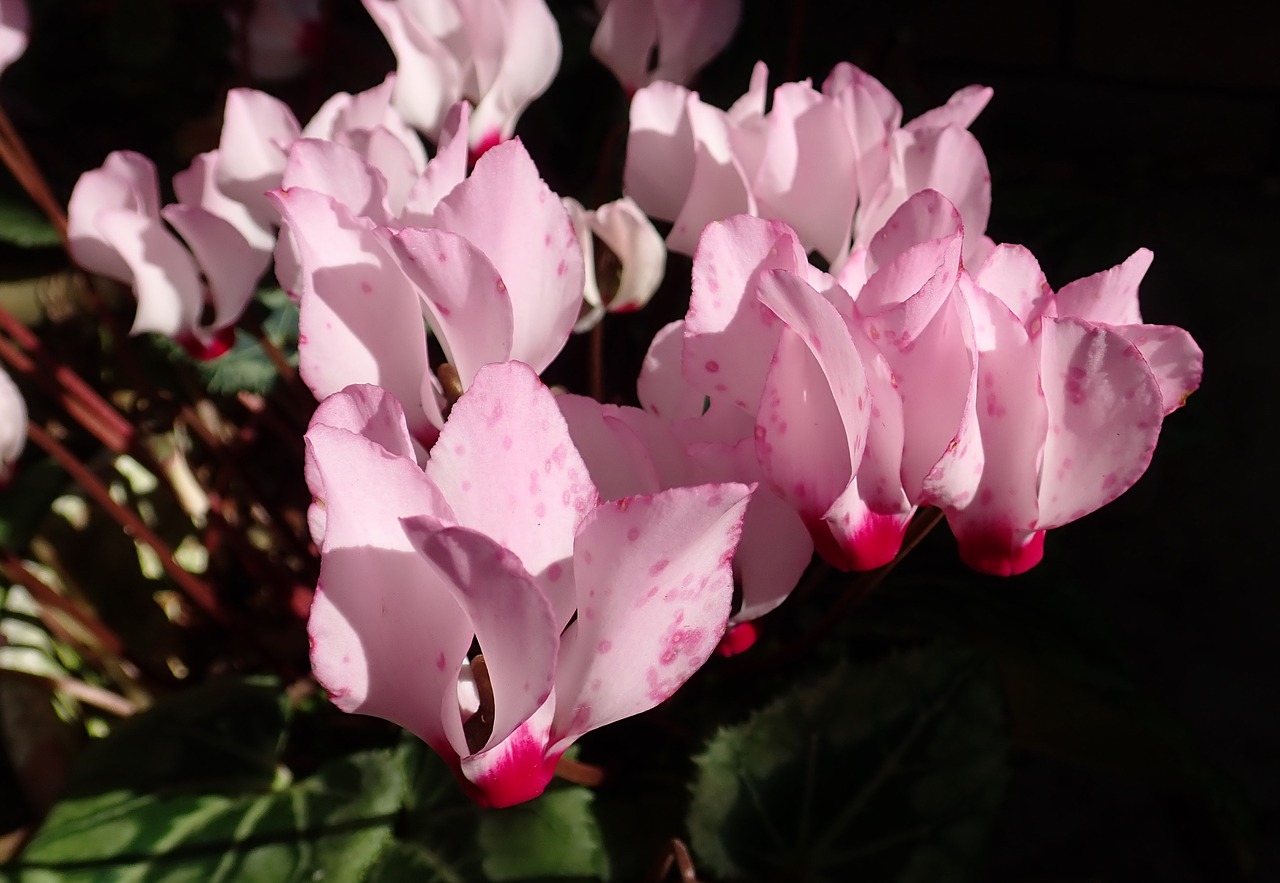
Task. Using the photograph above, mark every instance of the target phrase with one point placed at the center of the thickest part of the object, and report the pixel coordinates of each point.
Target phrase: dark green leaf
(886, 772)
(21, 224)
(1066, 687)
(332, 826)
(245, 368)
(221, 736)
(554, 836)
(25, 503)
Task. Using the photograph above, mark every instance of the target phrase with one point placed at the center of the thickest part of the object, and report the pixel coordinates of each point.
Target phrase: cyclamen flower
(1073, 391)
(498, 275)
(503, 539)
(678, 35)
(833, 165)
(13, 426)
(903, 381)
(14, 22)
(115, 227)
(498, 54)
(623, 275)
(279, 37)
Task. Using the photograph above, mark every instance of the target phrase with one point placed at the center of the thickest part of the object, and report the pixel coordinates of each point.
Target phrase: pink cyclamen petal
(510, 214)
(654, 590)
(510, 616)
(380, 610)
(507, 464)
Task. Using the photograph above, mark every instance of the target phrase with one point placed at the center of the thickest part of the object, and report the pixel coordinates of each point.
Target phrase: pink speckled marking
(555, 571)
(440, 661)
(604, 646)
(712, 366)
(633, 534)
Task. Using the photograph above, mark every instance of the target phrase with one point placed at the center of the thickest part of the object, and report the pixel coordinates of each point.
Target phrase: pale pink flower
(625, 274)
(1072, 394)
(642, 41)
(497, 54)
(13, 426)
(503, 539)
(497, 276)
(116, 227)
(280, 37)
(833, 165)
(14, 23)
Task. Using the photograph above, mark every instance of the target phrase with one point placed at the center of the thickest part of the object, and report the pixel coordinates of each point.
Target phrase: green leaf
(439, 820)
(243, 368)
(221, 736)
(330, 826)
(21, 224)
(554, 836)
(25, 503)
(1066, 688)
(886, 772)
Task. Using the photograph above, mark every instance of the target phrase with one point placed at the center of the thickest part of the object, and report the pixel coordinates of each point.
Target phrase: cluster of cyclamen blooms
(593, 550)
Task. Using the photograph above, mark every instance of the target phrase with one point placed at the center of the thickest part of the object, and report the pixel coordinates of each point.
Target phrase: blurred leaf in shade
(23, 225)
(192, 790)
(1067, 689)
(554, 836)
(891, 771)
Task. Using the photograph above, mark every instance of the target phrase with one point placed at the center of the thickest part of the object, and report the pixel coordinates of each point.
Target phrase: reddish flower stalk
(193, 587)
(81, 402)
(16, 571)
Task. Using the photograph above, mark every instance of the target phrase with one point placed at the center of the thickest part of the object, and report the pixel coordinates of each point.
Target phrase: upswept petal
(1012, 273)
(446, 170)
(429, 78)
(691, 34)
(961, 109)
(948, 160)
(807, 175)
(1174, 358)
(361, 321)
(918, 320)
(337, 171)
(231, 266)
(529, 64)
(512, 621)
(625, 39)
(387, 638)
(1109, 297)
(197, 185)
(466, 301)
(617, 460)
(811, 429)
(14, 23)
(257, 130)
(775, 547)
(126, 182)
(661, 386)
(506, 463)
(506, 210)
(637, 263)
(719, 184)
(1105, 412)
(163, 274)
(659, 166)
(728, 335)
(998, 529)
(13, 425)
(655, 586)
